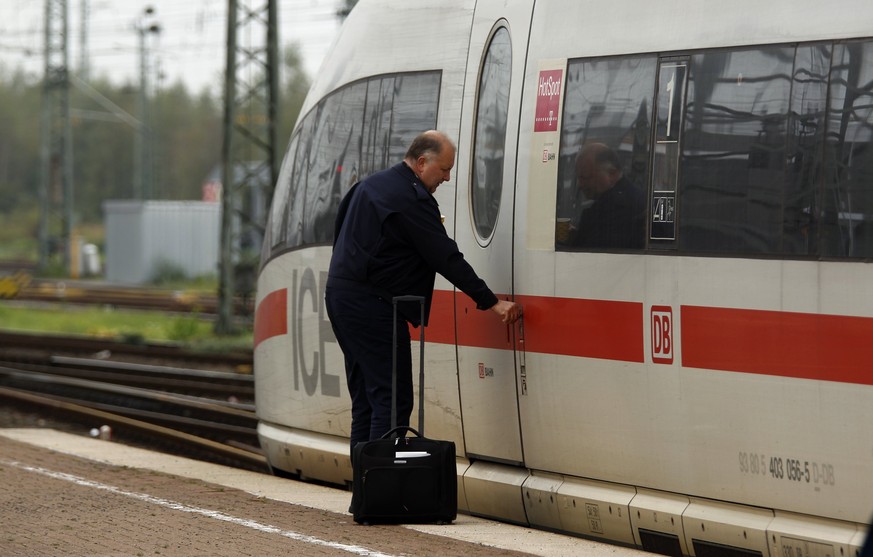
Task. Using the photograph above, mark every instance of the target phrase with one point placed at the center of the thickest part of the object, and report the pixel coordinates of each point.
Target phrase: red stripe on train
(271, 316)
(585, 328)
(600, 329)
(800, 345)
(440, 324)
(609, 330)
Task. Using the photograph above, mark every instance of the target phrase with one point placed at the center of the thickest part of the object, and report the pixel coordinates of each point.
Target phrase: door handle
(522, 355)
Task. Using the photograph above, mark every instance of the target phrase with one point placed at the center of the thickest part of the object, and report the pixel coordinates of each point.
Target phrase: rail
(82, 345)
(164, 414)
(85, 292)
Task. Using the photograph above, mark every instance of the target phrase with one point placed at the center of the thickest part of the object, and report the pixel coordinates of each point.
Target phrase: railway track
(85, 292)
(39, 348)
(17, 282)
(198, 413)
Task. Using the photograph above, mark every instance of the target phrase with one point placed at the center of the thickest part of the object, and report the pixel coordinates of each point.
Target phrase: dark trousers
(867, 550)
(363, 326)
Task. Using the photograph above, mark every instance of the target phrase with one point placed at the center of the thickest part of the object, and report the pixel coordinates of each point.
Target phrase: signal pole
(84, 61)
(249, 151)
(143, 174)
(56, 153)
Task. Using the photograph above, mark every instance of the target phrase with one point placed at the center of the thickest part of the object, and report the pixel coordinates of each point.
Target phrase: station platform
(65, 494)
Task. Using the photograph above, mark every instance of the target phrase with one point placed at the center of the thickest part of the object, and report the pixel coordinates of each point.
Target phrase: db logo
(662, 334)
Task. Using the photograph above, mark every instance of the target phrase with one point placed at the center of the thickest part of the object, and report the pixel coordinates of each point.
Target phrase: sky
(190, 46)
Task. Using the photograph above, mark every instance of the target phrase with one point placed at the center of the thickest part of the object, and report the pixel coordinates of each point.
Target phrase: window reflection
(733, 161)
(416, 99)
(847, 222)
(338, 124)
(805, 135)
(491, 114)
(278, 215)
(377, 126)
(297, 182)
(608, 105)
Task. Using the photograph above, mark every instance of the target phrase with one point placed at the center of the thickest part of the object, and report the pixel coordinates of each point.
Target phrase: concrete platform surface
(64, 494)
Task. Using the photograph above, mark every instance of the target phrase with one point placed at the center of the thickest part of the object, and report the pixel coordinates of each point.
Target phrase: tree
(102, 149)
(20, 102)
(187, 139)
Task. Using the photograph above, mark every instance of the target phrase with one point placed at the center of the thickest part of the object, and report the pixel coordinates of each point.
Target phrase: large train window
(492, 108)
(605, 150)
(353, 132)
(771, 152)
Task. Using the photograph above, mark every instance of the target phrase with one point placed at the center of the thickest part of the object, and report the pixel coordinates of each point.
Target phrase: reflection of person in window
(614, 214)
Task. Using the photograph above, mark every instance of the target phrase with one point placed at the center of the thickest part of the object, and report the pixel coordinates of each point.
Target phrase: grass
(190, 330)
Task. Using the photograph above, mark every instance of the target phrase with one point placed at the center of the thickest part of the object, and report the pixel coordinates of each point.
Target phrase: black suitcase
(399, 479)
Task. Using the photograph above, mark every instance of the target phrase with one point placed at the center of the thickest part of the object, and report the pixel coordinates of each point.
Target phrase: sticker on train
(548, 100)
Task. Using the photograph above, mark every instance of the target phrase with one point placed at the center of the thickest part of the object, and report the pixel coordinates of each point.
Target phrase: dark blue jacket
(389, 240)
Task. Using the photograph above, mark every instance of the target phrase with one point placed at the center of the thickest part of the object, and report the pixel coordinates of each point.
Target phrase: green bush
(183, 329)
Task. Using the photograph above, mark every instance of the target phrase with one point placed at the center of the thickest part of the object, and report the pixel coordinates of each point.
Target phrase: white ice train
(706, 391)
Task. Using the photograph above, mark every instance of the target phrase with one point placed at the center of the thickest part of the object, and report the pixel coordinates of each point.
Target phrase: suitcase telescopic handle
(420, 300)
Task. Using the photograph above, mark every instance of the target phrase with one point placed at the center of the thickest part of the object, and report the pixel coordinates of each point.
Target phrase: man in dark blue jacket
(390, 241)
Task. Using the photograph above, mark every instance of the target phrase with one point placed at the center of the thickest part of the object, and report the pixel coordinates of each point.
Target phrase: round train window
(488, 148)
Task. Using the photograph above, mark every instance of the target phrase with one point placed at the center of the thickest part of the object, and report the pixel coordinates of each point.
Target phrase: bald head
(431, 157)
(429, 143)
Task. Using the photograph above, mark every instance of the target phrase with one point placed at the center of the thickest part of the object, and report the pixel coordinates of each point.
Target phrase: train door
(488, 378)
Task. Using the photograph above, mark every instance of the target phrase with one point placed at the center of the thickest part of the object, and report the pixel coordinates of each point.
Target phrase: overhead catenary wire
(191, 44)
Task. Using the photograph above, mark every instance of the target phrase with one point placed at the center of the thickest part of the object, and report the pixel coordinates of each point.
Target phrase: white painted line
(354, 549)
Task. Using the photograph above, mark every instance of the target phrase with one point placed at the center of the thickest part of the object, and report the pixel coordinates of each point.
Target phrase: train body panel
(670, 427)
(300, 378)
(709, 386)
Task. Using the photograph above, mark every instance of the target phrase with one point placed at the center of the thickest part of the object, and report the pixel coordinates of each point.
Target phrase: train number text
(791, 469)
